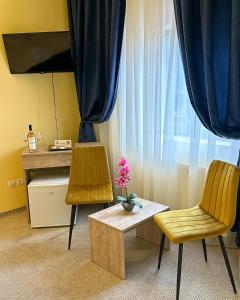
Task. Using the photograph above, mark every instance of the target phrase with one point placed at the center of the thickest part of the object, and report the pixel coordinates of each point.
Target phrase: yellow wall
(28, 99)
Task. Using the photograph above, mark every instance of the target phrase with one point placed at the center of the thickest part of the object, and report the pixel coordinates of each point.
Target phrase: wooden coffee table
(107, 228)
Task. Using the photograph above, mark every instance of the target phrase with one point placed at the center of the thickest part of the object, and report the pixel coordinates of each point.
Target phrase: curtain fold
(209, 38)
(96, 29)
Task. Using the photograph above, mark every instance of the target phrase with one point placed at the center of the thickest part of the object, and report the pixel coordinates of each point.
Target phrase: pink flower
(124, 173)
(122, 161)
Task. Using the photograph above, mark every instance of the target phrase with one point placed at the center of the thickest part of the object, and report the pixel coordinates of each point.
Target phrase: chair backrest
(89, 166)
(220, 192)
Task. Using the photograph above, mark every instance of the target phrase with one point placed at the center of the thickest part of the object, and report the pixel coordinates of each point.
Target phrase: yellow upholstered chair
(212, 217)
(90, 180)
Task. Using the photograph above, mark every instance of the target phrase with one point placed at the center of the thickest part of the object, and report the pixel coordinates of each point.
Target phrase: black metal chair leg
(204, 249)
(73, 214)
(227, 263)
(161, 250)
(179, 271)
(105, 205)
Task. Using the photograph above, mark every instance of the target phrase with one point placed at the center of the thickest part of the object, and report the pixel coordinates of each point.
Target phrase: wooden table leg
(150, 232)
(107, 247)
(27, 181)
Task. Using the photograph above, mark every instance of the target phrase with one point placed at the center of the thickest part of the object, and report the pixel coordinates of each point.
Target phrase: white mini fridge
(47, 201)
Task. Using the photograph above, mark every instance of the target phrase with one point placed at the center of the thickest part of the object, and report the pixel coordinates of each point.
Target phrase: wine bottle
(31, 139)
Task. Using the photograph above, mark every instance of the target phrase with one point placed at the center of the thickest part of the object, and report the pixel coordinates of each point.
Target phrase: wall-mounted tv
(38, 52)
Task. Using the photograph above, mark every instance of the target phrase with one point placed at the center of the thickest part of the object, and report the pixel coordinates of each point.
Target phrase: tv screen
(38, 52)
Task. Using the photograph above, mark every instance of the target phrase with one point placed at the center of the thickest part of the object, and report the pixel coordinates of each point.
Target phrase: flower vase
(127, 206)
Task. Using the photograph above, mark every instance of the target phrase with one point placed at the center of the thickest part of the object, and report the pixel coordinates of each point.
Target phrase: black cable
(55, 107)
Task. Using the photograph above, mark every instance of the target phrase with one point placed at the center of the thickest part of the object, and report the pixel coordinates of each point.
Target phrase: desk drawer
(48, 160)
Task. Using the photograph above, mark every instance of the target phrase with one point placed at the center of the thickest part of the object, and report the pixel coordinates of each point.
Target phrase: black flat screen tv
(38, 52)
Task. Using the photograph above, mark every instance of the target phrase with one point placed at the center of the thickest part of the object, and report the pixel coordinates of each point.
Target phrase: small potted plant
(130, 200)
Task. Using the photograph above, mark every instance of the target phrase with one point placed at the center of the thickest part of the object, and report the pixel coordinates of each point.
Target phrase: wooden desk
(44, 159)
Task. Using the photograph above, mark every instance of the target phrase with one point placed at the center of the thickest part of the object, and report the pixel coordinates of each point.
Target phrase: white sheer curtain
(153, 124)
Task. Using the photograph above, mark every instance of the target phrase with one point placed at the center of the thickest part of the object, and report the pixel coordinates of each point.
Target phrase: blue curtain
(209, 38)
(96, 29)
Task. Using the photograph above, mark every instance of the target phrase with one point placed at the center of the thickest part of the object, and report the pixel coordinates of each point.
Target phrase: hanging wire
(55, 107)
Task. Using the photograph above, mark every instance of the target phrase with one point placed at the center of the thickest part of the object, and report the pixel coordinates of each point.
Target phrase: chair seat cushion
(89, 194)
(189, 224)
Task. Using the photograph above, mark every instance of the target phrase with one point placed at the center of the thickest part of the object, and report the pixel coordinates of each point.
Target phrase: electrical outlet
(11, 183)
(19, 181)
